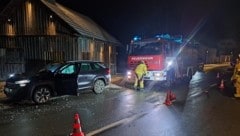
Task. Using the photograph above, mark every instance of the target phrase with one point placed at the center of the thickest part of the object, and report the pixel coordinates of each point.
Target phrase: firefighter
(140, 71)
(237, 83)
(237, 66)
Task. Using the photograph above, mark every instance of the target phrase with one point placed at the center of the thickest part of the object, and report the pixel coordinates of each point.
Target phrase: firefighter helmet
(142, 61)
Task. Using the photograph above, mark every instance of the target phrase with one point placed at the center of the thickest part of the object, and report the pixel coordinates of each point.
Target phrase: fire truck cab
(166, 58)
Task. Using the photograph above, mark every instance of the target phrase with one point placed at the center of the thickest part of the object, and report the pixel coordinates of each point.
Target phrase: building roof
(82, 24)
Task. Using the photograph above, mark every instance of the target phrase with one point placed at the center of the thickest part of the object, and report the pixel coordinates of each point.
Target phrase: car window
(101, 64)
(51, 67)
(68, 69)
(85, 67)
(96, 66)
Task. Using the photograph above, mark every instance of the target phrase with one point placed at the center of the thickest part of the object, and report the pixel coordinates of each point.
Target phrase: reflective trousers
(139, 81)
(237, 85)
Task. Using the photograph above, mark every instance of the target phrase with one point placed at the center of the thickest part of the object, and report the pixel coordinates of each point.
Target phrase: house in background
(36, 32)
(228, 49)
(206, 54)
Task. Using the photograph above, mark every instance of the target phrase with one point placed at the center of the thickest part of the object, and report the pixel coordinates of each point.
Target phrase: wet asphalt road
(201, 109)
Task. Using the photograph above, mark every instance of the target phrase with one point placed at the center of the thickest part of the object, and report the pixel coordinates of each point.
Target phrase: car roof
(79, 61)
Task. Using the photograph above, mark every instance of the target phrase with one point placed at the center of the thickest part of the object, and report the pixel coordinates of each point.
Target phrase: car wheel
(41, 94)
(98, 86)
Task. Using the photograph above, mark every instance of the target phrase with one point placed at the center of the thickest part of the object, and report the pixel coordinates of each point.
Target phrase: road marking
(126, 120)
(213, 85)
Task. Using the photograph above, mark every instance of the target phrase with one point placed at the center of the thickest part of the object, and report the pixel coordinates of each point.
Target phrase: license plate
(146, 77)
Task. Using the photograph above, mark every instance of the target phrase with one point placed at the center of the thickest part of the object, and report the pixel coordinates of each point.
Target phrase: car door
(66, 79)
(85, 77)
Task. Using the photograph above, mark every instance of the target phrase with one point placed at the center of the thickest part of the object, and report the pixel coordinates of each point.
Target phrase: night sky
(210, 19)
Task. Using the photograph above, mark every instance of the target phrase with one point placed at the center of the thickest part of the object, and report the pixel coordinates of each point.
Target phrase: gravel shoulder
(2, 95)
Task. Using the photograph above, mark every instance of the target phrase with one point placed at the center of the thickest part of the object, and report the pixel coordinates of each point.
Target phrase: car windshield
(51, 67)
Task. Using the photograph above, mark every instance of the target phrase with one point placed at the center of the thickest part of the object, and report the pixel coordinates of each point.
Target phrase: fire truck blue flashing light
(177, 39)
(164, 36)
(136, 38)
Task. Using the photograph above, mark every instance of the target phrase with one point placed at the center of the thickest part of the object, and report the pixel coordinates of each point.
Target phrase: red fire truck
(167, 58)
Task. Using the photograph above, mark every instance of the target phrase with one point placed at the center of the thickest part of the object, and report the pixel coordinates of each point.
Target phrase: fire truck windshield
(147, 49)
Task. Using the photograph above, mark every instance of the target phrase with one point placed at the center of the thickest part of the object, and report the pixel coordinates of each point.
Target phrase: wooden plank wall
(11, 61)
(43, 36)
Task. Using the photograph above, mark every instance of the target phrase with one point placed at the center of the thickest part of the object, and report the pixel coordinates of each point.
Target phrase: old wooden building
(35, 32)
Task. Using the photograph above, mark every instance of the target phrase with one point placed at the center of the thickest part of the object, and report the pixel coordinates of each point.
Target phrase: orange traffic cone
(77, 130)
(218, 75)
(222, 84)
(168, 102)
(172, 96)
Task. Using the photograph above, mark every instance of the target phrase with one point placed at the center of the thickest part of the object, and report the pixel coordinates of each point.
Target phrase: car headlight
(22, 82)
(11, 75)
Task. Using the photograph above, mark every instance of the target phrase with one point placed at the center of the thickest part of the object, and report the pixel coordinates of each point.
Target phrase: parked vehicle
(58, 79)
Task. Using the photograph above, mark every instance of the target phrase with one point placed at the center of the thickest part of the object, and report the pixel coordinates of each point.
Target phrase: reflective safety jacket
(236, 71)
(141, 69)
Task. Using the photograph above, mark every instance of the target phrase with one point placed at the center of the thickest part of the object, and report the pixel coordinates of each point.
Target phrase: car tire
(98, 86)
(41, 95)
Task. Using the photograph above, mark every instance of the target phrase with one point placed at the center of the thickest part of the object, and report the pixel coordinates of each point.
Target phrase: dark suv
(58, 79)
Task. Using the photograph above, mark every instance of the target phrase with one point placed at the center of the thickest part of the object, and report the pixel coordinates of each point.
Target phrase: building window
(84, 48)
